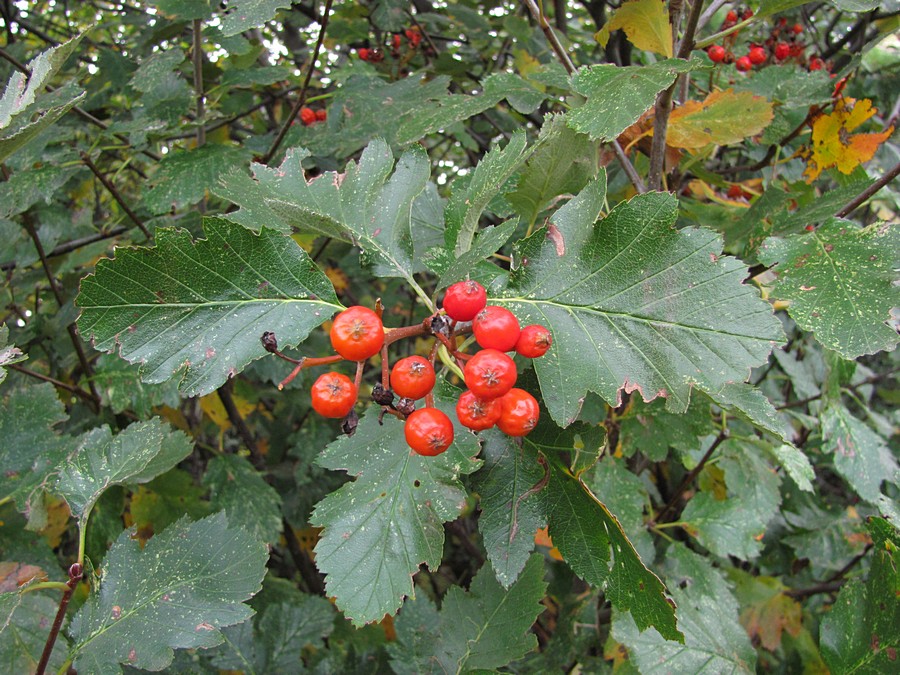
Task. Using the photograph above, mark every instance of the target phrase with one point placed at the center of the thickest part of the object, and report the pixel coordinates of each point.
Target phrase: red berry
(743, 64)
(797, 29)
(815, 63)
(357, 333)
(810, 228)
(490, 374)
(414, 36)
(307, 116)
(748, 13)
(519, 413)
(716, 53)
(534, 341)
(464, 299)
(364, 53)
(412, 377)
(396, 42)
(782, 51)
(496, 328)
(333, 395)
(428, 431)
(757, 55)
(321, 115)
(735, 191)
(731, 17)
(476, 413)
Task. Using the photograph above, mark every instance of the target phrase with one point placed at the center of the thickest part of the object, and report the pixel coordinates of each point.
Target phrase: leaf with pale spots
(187, 583)
(380, 527)
(197, 310)
(840, 280)
(634, 304)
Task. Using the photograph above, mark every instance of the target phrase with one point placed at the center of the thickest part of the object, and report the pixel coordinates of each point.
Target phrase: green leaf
(795, 464)
(184, 176)
(166, 94)
(714, 641)
(861, 456)
(8, 353)
(480, 629)
(770, 7)
(839, 280)
(734, 525)
(32, 451)
(176, 593)
(183, 10)
(164, 500)
(24, 623)
(562, 162)
(472, 263)
(634, 305)
(861, 633)
(120, 387)
(197, 310)
(651, 429)
(241, 15)
(509, 472)
(626, 496)
(247, 499)
(137, 454)
(594, 545)
(750, 403)
(617, 96)
(25, 109)
(856, 5)
(464, 211)
(380, 527)
(724, 117)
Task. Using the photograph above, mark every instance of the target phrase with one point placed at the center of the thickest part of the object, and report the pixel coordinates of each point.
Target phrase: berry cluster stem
(306, 362)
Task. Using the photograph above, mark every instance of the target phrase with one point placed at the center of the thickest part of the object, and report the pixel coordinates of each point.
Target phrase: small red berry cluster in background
(413, 37)
(491, 398)
(782, 45)
(308, 116)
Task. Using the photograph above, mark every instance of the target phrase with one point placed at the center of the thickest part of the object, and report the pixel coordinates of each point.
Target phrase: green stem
(45, 585)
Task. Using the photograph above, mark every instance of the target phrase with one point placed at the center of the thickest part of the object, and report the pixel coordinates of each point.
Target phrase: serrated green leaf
(187, 582)
(166, 95)
(472, 264)
(714, 641)
(184, 176)
(840, 281)
(241, 15)
(137, 454)
(8, 353)
(509, 472)
(562, 162)
(861, 633)
(24, 623)
(861, 456)
(795, 464)
(617, 96)
(26, 188)
(120, 387)
(634, 305)
(856, 5)
(626, 496)
(197, 310)
(164, 500)
(380, 527)
(651, 429)
(248, 500)
(480, 629)
(750, 403)
(183, 10)
(735, 525)
(592, 542)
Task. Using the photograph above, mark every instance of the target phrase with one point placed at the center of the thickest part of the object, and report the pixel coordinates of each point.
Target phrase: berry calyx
(357, 333)
(477, 413)
(490, 374)
(428, 432)
(412, 377)
(333, 395)
(757, 55)
(519, 413)
(464, 299)
(496, 328)
(716, 53)
(534, 341)
(743, 64)
(782, 51)
(307, 116)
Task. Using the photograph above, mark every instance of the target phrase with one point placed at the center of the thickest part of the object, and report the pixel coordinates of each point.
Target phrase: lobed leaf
(724, 117)
(247, 499)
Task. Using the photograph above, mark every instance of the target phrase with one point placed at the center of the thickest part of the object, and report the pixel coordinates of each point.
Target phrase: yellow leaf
(338, 278)
(645, 22)
(542, 538)
(211, 404)
(833, 146)
(722, 118)
(57, 521)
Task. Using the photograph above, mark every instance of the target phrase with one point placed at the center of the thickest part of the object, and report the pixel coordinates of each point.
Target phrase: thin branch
(76, 572)
(234, 416)
(302, 98)
(858, 201)
(70, 246)
(116, 195)
(689, 478)
(198, 80)
(81, 393)
(628, 167)
(308, 572)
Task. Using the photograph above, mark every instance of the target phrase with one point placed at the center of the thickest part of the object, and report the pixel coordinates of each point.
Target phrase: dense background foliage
(713, 485)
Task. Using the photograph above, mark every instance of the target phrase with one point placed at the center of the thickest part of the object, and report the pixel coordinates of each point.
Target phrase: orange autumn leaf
(833, 144)
(542, 538)
(722, 118)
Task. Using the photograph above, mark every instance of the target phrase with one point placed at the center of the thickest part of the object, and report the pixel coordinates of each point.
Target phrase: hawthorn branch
(197, 58)
(858, 201)
(237, 420)
(689, 478)
(111, 188)
(76, 572)
(80, 393)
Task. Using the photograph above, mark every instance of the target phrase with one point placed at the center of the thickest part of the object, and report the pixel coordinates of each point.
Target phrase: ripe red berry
(333, 395)
(534, 341)
(464, 299)
(496, 328)
(735, 191)
(815, 63)
(757, 55)
(414, 36)
(428, 431)
(412, 377)
(490, 374)
(716, 53)
(797, 29)
(810, 228)
(476, 413)
(748, 13)
(357, 333)
(782, 51)
(321, 115)
(731, 17)
(307, 116)
(743, 64)
(396, 42)
(364, 53)
(519, 413)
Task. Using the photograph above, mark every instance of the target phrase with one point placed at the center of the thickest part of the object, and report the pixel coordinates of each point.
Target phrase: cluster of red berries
(309, 116)
(376, 54)
(491, 399)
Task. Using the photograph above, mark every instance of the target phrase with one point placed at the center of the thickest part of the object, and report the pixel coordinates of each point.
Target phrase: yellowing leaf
(542, 538)
(645, 22)
(338, 278)
(833, 146)
(722, 118)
